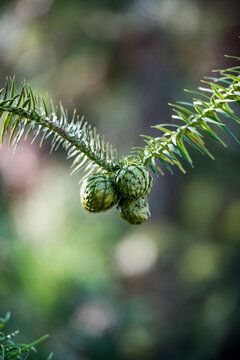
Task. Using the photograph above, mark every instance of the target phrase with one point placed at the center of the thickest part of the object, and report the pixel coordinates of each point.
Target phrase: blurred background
(103, 289)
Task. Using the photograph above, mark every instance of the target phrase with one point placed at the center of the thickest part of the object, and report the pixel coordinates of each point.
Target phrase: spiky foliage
(24, 113)
(11, 350)
(208, 110)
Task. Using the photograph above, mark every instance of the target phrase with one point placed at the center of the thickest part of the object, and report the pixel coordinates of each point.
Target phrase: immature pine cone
(133, 181)
(134, 211)
(98, 193)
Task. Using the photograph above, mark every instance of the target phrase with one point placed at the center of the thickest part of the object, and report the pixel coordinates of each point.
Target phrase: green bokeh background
(103, 289)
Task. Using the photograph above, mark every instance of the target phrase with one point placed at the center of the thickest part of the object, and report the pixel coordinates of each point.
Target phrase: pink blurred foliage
(19, 170)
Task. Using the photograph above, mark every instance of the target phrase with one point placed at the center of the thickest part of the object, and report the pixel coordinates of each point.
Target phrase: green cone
(133, 181)
(98, 193)
(134, 211)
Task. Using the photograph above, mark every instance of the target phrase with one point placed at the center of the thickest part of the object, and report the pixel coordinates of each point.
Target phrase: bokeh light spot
(135, 255)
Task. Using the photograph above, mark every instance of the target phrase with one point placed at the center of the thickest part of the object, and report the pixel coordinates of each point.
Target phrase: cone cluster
(128, 188)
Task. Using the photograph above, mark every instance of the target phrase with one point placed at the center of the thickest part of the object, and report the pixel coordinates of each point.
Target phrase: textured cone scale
(133, 181)
(98, 193)
(134, 211)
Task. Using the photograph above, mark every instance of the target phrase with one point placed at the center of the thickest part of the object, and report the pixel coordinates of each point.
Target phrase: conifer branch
(25, 113)
(125, 182)
(11, 350)
(198, 116)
